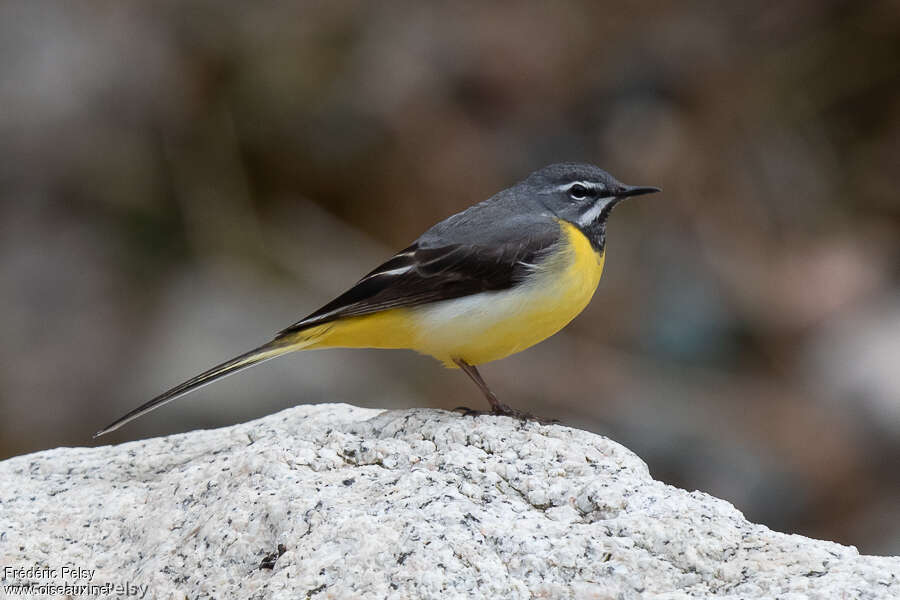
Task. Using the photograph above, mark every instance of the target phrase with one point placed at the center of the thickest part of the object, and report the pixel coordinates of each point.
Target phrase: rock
(333, 501)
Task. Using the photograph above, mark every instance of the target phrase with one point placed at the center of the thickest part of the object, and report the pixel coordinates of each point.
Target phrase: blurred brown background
(181, 180)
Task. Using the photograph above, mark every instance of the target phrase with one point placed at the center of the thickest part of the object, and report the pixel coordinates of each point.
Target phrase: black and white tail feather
(273, 349)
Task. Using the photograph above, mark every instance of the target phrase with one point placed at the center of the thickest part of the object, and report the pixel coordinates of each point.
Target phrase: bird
(478, 286)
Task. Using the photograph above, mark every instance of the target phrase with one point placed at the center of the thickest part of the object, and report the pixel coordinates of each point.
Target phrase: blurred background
(179, 181)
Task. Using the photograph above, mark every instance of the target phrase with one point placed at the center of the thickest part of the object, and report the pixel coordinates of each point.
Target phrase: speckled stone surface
(334, 502)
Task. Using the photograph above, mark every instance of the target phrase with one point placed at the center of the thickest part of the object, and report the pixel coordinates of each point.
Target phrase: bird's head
(582, 194)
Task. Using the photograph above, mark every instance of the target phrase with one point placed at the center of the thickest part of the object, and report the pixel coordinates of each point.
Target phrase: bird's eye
(579, 192)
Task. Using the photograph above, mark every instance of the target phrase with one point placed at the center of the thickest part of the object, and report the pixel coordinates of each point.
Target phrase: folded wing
(418, 275)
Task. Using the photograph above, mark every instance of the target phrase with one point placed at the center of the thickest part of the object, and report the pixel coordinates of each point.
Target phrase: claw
(467, 412)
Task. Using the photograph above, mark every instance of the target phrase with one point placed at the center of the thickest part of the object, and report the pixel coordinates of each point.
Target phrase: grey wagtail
(485, 283)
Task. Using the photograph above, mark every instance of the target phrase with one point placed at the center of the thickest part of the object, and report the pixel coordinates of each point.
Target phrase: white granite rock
(334, 502)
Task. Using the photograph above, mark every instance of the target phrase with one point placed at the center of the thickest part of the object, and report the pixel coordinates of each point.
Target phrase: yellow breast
(489, 325)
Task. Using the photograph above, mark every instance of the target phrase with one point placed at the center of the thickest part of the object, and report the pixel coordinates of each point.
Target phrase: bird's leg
(497, 407)
(475, 376)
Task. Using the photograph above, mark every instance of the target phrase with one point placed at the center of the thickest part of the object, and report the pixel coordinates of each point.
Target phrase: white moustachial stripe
(591, 214)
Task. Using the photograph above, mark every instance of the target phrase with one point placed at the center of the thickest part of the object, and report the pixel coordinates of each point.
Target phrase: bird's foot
(508, 411)
(468, 412)
(504, 410)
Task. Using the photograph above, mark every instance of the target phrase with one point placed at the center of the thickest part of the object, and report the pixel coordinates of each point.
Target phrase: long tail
(277, 347)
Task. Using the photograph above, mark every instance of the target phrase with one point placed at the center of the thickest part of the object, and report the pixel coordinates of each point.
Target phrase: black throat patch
(595, 232)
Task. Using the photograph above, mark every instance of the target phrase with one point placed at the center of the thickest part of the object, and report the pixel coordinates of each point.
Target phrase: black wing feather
(433, 274)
